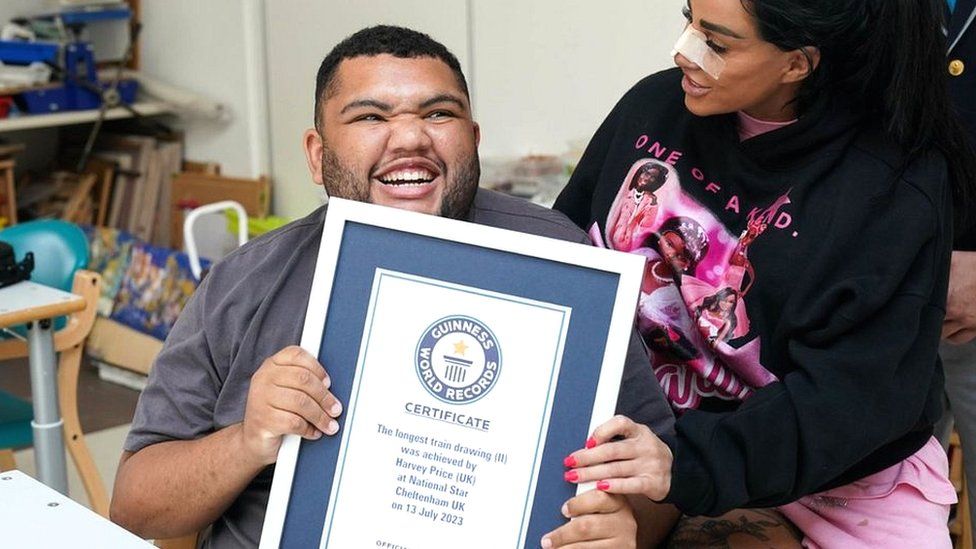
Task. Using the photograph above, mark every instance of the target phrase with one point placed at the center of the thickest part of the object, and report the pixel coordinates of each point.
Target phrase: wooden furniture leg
(7, 180)
(7, 462)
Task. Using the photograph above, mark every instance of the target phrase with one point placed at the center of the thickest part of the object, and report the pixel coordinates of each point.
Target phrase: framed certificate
(470, 361)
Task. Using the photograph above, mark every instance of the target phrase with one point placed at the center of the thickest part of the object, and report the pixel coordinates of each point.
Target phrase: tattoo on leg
(715, 532)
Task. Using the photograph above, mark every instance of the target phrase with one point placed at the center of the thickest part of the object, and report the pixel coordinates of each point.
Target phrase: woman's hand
(623, 457)
(597, 520)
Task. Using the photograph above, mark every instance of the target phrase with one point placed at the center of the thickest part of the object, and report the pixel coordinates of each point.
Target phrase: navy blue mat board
(590, 293)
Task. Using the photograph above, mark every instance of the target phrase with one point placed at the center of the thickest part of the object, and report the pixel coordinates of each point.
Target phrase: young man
(393, 127)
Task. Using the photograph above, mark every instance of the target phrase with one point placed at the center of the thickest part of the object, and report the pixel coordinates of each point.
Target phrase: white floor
(105, 446)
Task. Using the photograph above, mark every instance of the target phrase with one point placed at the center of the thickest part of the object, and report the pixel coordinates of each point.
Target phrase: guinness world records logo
(458, 359)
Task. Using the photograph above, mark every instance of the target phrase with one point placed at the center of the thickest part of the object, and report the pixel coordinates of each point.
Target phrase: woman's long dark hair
(890, 57)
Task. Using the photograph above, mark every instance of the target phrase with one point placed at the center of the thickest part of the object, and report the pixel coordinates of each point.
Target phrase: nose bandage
(692, 44)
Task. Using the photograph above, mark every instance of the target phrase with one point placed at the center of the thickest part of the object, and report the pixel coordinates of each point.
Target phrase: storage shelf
(66, 118)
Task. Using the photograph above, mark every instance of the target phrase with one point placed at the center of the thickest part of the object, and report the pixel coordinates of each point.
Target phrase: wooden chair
(186, 542)
(8, 204)
(69, 343)
(960, 527)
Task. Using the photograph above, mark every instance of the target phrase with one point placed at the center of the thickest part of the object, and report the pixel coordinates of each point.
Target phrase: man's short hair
(396, 41)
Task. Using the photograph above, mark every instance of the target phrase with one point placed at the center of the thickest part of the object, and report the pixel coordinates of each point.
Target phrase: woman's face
(673, 250)
(726, 305)
(758, 77)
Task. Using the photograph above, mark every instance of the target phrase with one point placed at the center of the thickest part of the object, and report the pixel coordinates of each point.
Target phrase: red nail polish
(603, 485)
(570, 461)
(590, 443)
(571, 476)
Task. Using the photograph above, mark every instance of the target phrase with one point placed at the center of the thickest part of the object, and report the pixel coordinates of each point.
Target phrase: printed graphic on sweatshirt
(696, 281)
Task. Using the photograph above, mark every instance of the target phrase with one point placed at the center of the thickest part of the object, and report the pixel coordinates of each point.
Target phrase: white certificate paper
(448, 426)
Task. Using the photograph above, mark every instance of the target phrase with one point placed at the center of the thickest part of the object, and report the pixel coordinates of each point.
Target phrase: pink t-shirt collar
(750, 127)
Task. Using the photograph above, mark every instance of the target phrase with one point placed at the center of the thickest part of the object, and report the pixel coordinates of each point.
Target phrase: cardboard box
(192, 190)
(119, 345)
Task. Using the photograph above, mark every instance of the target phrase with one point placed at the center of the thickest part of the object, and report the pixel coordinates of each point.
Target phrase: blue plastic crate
(70, 98)
(24, 53)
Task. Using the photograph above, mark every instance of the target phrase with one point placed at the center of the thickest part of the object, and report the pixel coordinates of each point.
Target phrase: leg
(48, 441)
(70, 364)
(739, 529)
(7, 462)
(959, 362)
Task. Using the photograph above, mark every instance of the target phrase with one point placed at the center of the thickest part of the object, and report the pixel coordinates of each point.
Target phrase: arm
(174, 488)
(177, 487)
(960, 321)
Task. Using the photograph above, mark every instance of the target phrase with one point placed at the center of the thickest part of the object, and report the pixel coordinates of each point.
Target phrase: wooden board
(119, 345)
(29, 301)
(191, 190)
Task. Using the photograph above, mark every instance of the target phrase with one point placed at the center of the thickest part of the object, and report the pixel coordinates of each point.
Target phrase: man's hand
(625, 458)
(289, 395)
(597, 520)
(960, 320)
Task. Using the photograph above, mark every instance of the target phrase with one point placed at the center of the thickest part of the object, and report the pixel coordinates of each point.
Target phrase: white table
(33, 515)
(36, 304)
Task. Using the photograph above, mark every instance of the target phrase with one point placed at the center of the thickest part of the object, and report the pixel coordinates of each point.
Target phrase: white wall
(200, 46)
(543, 73)
(299, 34)
(547, 72)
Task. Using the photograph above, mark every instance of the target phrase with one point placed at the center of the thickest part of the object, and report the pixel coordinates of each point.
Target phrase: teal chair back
(60, 248)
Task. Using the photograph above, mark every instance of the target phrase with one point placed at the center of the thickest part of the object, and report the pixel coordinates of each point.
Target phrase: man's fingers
(296, 356)
(950, 327)
(281, 422)
(311, 433)
(593, 502)
(301, 379)
(962, 336)
(305, 407)
(581, 532)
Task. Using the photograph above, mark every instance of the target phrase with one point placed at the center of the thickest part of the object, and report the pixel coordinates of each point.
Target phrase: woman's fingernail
(332, 428)
(336, 409)
(316, 435)
(590, 443)
(570, 461)
(603, 485)
(571, 476)
(546, 543)
(565, 510)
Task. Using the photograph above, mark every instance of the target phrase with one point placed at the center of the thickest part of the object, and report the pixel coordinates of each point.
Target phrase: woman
(825, 124)
(716, 315)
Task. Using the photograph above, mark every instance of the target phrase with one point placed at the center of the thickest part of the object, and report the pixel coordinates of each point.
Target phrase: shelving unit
(67, 118)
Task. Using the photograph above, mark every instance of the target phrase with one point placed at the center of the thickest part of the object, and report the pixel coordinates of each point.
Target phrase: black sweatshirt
(794, 291)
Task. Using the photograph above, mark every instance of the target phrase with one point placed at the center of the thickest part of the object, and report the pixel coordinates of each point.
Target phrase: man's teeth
(408, 178)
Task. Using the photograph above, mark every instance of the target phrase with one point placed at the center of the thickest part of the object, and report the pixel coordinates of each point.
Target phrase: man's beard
(456, 200)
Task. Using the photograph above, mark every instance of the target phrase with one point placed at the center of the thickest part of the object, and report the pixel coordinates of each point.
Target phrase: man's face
(397, 132)
(649, 178)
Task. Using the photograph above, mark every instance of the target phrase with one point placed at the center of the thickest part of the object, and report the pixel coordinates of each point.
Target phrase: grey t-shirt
(252, 304)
